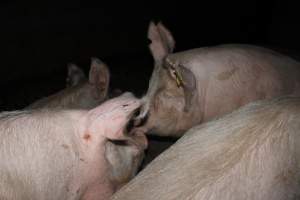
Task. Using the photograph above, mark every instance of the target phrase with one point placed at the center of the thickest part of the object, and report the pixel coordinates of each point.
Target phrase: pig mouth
(131, 123)
(133, 137)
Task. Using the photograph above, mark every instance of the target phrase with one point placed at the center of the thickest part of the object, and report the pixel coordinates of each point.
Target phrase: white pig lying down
(252, 153)
(66, 154)
(80, 93)
(194, 86)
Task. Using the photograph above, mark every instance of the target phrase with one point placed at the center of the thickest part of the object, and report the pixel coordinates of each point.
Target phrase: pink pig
(65, 154)
(194, 86)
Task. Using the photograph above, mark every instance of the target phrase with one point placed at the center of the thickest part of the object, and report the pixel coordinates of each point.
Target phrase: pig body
(191, 87)
(252, 154)
(80, 93)
(63, 154)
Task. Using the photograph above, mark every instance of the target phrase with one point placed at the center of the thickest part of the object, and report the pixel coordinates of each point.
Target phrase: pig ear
(99, 76)
(189, 85)
(75, 75)
(167, 37)
(185, 78)
(162, 42)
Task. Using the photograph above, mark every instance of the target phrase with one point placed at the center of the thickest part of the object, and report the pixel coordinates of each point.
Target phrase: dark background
(38, 39)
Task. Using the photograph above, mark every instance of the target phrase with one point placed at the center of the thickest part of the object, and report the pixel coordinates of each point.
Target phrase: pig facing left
(80, 93)
(62, 154)
(195, 86)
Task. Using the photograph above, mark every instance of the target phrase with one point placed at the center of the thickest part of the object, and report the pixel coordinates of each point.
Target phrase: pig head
(80, 93)
(77, 77)
(194, 86)
(172, 89)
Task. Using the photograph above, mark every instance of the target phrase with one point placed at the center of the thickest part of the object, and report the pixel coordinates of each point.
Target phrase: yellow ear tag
(179, 80)
(178, 77)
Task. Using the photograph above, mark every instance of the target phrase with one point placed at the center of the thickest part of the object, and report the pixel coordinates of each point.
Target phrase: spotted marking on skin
(81, 159)
(125, 105)
(78, 190)
(65, 146)
(226, 74)
(87, 137)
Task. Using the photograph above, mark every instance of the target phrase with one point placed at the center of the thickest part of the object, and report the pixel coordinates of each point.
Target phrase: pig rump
(252, 153)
